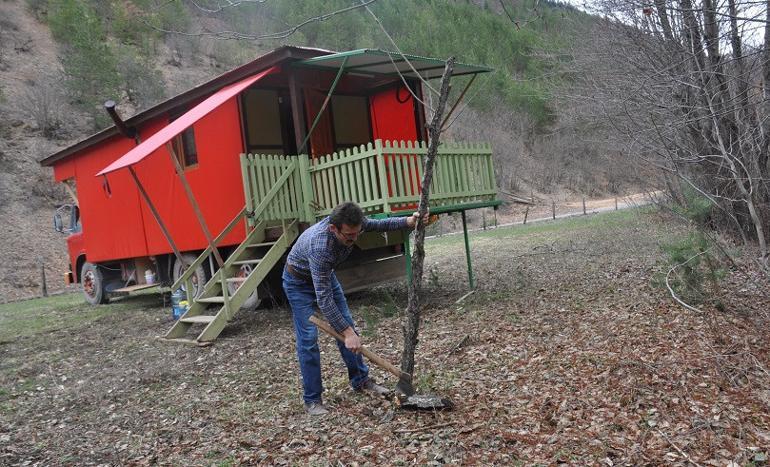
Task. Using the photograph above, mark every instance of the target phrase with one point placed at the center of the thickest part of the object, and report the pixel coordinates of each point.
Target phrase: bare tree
(685, 82)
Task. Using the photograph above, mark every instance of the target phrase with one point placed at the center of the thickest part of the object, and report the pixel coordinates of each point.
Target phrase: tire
(198, 278)
(253, 301)
(92, 281)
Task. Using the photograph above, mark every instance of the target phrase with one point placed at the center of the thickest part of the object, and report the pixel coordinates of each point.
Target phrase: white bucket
(149, 277)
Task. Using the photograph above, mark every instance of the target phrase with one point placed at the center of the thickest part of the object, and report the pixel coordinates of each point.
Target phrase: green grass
(67, 311)
(597, 221)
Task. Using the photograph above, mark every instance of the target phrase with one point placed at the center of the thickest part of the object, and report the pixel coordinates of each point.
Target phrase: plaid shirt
(317, 252)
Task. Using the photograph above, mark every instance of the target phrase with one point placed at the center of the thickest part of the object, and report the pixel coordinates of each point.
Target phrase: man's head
(345, 222)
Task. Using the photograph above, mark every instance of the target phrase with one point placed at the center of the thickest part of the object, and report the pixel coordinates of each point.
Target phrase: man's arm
(393, 223)
(385, 225)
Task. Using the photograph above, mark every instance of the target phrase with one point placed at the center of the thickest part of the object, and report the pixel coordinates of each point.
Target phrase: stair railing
(255, 214)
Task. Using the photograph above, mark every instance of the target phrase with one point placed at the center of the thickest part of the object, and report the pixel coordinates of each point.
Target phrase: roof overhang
(376, 62)
(185, 121)
(275, 57)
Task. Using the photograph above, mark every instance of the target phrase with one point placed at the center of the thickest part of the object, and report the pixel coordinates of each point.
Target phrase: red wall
(121, 225)
(391, 119)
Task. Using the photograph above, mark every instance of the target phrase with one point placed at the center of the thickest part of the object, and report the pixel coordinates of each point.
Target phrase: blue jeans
(302, 299)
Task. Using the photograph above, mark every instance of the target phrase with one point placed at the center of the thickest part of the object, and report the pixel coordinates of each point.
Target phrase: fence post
(43, 285)
(616, 203)
(484, 218)
(584, 205)
(307, 188)
(526, 213)
(553, 209)
(378, 154)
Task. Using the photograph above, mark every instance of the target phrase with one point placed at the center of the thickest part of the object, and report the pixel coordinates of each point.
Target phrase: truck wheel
(198, 278)
(253, 301)
(93, 284)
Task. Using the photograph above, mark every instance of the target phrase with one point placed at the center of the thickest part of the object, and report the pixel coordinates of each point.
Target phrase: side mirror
(57, 222)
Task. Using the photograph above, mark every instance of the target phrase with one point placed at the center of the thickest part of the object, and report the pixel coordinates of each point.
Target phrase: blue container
(178, 303)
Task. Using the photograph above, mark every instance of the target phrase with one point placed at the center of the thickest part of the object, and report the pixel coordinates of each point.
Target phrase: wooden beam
(194, 203)
(71, 192)
(297, 111)
(156, 215)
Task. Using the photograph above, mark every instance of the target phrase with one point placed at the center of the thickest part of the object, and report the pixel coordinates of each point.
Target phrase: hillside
(59, 60)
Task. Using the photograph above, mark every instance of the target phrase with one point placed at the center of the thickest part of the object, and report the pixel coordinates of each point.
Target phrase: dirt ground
(565, 354)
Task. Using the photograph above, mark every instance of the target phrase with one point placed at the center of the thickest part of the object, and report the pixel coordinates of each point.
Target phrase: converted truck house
(208, 190)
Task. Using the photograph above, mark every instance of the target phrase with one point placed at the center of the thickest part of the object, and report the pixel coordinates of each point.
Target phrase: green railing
(381, 177)
(263, 173)
(386, 177)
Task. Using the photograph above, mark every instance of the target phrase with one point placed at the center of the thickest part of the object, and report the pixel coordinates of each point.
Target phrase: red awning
(182, 123)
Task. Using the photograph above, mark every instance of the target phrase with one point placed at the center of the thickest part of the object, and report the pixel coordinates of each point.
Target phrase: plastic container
(178, 303)
(149, 277)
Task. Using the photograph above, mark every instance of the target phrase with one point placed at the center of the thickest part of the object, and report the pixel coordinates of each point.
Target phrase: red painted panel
(112, 222)
(64, 170)
(393, 119)
(321, 141)
(216, 183)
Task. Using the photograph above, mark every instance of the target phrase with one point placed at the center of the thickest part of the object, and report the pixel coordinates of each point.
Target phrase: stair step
(201, 319)
(181, 340)
(211, 300)
(247, 261)
(257, 245)
(236, 279)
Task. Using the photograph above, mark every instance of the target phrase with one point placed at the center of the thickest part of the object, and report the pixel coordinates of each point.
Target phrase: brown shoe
(373, 388)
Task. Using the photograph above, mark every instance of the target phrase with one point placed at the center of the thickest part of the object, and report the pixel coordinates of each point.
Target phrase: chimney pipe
(128, 132)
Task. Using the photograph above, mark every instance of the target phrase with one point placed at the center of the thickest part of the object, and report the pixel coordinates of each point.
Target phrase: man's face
(346, 234)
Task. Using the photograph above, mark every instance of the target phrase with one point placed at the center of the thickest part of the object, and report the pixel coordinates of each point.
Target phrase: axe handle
(376, 359)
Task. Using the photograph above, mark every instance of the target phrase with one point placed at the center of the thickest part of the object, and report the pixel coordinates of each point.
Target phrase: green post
(468, 252)
(307, 188)
(408, 254)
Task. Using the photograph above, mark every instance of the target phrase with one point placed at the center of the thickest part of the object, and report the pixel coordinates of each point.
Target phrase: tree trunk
(412, 318)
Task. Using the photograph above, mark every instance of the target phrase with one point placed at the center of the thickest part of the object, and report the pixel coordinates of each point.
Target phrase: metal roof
(378, 62)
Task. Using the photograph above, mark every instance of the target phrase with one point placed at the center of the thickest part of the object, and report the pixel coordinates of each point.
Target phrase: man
(309, 279)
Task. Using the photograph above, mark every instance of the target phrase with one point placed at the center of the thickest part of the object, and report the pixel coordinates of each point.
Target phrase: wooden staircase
(217, 304)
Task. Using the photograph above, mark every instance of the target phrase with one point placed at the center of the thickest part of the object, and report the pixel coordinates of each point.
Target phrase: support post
(553, 209)
(156, 215)
(526, 213)
(297, 112)
(584, 205)
(468, 252)
(194, 204)
(307, 188)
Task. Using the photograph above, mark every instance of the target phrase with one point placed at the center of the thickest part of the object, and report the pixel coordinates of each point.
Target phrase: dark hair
(346, 213)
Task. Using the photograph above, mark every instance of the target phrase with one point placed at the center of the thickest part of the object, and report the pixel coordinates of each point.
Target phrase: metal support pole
(408, 254)
(468, 252)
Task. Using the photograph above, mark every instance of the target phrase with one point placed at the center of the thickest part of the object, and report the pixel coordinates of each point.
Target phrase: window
(184, 144)
(351, 121)
(184, 147)
(263, 121)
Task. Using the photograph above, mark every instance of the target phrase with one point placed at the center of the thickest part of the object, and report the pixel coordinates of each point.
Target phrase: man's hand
(411, 221)
(352, 341)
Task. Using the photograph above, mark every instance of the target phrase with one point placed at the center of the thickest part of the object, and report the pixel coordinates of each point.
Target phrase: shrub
(692, 266)
(43, 103)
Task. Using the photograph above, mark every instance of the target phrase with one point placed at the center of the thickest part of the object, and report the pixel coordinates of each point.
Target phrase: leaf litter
(565, 354)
